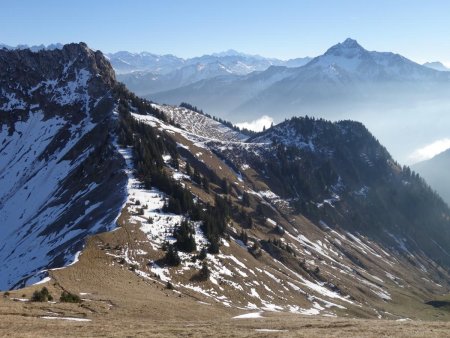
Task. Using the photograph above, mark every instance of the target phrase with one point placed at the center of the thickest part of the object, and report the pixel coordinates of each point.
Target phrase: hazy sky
(417, 29)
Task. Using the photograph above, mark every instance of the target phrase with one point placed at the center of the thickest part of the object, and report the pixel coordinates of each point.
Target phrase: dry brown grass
(117, 324)
(121, 304)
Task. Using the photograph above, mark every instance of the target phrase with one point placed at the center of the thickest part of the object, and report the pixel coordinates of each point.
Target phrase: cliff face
(58, 164)
(48, 80)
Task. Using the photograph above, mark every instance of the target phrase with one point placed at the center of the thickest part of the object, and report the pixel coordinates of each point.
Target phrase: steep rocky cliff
(59, 171)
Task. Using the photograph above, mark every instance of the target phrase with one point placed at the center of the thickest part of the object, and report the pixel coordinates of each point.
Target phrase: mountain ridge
(310, 217)
(152, 73)
(148, 62)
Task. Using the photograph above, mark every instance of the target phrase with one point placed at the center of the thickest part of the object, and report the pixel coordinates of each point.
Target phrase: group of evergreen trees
(172, 258)
(197, 178)
(148, 146)
(246, 199)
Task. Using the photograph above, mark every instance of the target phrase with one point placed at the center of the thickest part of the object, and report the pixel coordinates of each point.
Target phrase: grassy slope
(122, 304)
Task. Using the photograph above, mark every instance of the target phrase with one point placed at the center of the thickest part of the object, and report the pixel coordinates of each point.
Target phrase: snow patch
(249, 315)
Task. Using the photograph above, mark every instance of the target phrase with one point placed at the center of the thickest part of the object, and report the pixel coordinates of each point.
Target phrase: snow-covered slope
(199, 124)
(353, 59)
(143, 83)
(57, 169)
(126, 62)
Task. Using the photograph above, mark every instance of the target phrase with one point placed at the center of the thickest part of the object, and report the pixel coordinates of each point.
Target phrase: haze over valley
(387, 92)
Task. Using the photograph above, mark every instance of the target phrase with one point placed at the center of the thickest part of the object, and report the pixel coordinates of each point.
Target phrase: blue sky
(419, 30)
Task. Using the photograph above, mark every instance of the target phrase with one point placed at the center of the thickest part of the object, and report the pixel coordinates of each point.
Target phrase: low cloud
(430, 150)
(257, 125)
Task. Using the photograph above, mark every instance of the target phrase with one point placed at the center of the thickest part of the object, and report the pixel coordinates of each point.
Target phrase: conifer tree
(197, 177)
(246, 199)
(225, 186)
(204, 271)
(185, 238)
(188, 169)
(172, 257)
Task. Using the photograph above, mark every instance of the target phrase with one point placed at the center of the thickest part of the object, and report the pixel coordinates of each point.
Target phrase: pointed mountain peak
(349, 48)
(350, 43)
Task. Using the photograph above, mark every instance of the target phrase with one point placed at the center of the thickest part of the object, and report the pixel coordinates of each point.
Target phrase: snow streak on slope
(146, 205)
(145, 209)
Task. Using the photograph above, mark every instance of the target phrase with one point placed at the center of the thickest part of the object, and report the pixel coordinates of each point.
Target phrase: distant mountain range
(345, 77)
(237, 63)
(35, 48)
(147, 73)
(436, 173)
